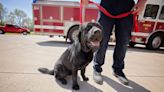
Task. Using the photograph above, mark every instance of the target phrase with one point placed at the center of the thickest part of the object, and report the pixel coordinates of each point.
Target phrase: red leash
(110, 15)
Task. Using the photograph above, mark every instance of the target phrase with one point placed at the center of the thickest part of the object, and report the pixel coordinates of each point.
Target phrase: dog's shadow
(133, 87)
(84, 86)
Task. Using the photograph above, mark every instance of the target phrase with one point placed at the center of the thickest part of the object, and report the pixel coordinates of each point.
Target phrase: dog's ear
(81, 31)
(88, 26)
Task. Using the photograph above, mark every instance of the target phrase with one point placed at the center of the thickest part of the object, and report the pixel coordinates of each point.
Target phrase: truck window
(161, 16)
(151, 11)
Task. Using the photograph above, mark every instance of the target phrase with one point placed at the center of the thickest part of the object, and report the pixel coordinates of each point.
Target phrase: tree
(28, 23)
(11, 18)
(19, 17)
(1, 10)
(3, 13)
(16, 17)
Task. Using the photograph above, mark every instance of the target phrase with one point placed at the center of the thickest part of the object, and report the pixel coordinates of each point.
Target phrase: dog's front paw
(86, 79)
(75, 87)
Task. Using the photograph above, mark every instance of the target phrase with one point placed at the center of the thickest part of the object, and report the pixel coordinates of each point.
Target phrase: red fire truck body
(61, 18)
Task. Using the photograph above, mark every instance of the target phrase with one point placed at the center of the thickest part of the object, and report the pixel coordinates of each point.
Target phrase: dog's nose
(97, 32)
(98, 35)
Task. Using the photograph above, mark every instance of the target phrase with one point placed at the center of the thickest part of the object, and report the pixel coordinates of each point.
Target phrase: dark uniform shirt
(116, 7)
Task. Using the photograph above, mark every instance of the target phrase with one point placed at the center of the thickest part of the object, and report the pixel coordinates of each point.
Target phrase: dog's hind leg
(59, 77)
(60, 74)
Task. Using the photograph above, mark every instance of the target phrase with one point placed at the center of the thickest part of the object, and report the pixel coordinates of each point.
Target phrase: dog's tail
(46, 71)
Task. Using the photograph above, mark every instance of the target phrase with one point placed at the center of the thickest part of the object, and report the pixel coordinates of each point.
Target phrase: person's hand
(85, 2)
(138, 8)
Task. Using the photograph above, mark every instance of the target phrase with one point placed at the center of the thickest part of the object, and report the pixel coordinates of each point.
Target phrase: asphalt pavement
(22, 55)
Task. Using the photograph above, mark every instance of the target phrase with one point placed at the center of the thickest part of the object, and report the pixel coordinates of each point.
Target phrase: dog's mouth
(94, 45)
(94, 41)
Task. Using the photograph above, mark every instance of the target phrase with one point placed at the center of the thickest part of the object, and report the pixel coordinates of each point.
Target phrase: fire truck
(61, 18)
(150, 26)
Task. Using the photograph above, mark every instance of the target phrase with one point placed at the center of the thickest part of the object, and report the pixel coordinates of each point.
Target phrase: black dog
(78, 55)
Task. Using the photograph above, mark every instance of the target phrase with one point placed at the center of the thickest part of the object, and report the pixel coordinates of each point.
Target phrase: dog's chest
(83, 59)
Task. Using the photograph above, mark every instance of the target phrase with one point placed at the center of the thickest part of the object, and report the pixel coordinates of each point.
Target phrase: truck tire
(132, 44)
(24, 33)
(1, 31)
(51, 36)
(154, 42)
(73, 33)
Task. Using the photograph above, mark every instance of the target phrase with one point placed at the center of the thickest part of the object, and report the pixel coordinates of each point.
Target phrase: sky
(25, 5)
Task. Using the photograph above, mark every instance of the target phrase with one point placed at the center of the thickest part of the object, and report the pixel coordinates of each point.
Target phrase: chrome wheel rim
(74, 35)
(1, 31)
(156, 42)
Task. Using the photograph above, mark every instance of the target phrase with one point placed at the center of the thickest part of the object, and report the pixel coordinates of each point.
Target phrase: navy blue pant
(123, 28)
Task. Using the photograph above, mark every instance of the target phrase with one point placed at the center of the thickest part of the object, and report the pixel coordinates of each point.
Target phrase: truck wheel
(1, 31)
(73, 33)
(51, 36)
(24, 33)
(132, 44)
(154, 41)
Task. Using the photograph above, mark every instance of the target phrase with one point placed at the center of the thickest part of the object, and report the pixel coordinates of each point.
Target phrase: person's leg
(123, 30)
(99, 57)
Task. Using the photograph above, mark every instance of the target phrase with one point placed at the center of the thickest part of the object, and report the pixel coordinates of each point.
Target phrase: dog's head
(90, 36)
